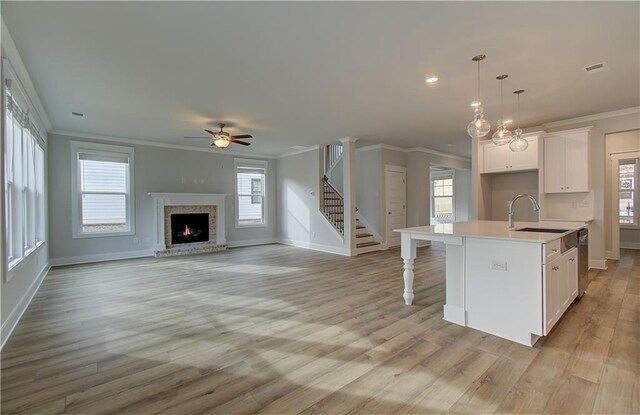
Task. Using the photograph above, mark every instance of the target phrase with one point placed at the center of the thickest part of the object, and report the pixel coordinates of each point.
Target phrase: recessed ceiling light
(449, 145)
(77, 114)
(475, 104)
(431, 79)
(507, 121)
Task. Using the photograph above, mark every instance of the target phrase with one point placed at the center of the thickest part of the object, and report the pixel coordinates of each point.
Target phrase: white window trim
(636, 197)
(449, 174)
(265, 206)
(22, 98)
(76, 201)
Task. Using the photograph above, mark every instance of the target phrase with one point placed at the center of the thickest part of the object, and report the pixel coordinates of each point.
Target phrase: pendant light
(502, 135)
(518, 143)
(479, 127)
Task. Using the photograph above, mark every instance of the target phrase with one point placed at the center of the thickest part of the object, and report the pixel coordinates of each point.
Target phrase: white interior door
(395, 203)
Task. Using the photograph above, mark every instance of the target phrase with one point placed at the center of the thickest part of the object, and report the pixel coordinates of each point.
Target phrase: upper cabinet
(500, 159)
(566, 161)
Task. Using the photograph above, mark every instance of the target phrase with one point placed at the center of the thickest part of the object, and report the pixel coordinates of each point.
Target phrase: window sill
(631, 227)
(15, 265)
(102, 234)
(257, 225)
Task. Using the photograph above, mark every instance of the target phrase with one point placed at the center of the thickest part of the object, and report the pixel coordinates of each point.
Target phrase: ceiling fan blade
(243, 143)
(208, 138)
(210, 132)
(242, 136)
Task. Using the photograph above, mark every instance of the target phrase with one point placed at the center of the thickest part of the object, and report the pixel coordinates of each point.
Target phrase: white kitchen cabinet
(566, 161)
(560, 287)
(500, 159)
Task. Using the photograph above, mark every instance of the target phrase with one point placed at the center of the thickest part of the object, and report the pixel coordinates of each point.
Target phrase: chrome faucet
(534, 202)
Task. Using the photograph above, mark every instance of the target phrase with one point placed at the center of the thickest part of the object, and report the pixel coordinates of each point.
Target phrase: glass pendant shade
(479, 127)
(502, 136)
(518, 143)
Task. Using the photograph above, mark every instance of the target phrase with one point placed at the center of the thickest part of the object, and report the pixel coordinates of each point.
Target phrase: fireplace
(189, 228)
(188, 223)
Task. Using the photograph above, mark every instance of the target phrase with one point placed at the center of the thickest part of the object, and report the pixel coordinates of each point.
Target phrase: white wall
(156, 169)
(300, 221)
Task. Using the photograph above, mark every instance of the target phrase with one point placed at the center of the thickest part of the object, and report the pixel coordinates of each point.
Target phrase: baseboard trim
(598, 263)
(252, 242)
(316, 247)
(112, 256)
(630, 245)
(12, 321)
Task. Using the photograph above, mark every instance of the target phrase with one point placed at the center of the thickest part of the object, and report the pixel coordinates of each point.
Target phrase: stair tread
(363, 235)
(361, 227)
(364, 244)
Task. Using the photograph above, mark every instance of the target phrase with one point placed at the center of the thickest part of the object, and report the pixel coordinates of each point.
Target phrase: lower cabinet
(560, 287)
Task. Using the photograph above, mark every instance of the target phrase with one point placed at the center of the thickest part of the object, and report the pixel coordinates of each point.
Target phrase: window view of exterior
(250, 194)
(628, 192)
(443, 199)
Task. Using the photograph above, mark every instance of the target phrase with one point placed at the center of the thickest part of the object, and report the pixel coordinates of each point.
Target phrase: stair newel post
(349, 192)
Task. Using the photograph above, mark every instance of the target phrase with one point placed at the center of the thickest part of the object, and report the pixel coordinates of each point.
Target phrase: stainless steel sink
(544, 230)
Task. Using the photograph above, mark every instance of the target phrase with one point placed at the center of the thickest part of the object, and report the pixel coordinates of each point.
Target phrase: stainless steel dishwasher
(583, 261)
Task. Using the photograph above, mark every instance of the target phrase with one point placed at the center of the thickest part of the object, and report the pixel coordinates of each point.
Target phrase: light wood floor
(281, 330)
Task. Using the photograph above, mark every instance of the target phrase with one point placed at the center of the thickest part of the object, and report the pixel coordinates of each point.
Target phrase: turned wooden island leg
(408, 253)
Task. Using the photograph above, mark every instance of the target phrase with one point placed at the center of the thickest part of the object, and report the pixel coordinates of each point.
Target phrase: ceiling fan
(222, 139)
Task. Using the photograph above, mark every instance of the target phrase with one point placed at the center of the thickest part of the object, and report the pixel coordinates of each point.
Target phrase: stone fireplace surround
(167, 203)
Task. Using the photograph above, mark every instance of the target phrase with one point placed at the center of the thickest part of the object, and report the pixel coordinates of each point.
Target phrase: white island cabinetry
(509, 283)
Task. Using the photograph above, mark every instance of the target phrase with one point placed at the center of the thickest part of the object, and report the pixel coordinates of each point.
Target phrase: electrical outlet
(499, 265)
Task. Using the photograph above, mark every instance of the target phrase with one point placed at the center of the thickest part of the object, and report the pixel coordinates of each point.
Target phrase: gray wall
(369, 188)
(418, 188)
(299, 219)
(462, 191)
(617, 143)
(505, 186)
(156, 169)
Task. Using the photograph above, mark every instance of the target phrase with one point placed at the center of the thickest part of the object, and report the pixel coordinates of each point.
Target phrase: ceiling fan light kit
(479, 126)
(221, 139)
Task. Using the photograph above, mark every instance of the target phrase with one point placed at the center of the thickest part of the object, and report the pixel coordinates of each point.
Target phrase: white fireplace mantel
(160, 200)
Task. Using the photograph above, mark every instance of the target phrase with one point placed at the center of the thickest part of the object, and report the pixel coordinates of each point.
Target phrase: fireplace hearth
(189, 228)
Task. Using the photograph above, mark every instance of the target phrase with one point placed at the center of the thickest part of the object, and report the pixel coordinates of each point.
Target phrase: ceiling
(299, 74)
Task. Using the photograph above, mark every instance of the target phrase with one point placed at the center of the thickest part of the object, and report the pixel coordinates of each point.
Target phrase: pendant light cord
(479, 83)
(501, 103)
(518, 111)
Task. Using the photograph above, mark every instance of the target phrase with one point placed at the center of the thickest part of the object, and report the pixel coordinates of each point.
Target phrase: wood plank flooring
(281, 330)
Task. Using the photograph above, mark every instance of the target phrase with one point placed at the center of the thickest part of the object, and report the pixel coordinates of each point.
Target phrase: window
(628, 192)
(250, 193)
(442, 200)
(24, 174)
(102, 190)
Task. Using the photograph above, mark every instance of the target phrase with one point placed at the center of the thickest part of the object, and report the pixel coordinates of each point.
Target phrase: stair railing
(332, 153)
(332, 205)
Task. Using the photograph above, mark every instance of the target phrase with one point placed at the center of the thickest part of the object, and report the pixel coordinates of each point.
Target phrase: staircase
(332, 207)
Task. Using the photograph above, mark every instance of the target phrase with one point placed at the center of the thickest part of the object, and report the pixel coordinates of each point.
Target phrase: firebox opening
(189, 227)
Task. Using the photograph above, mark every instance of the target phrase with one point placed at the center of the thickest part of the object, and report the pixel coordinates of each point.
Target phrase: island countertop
(497, 230)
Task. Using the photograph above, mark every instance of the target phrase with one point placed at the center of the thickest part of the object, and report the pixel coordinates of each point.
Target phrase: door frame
(397, 169)
(615, 193)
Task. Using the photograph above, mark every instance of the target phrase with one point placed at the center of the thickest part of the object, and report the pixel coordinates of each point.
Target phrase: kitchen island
(510, 283)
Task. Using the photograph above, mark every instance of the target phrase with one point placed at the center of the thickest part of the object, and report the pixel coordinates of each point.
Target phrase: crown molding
(293, 153)
(348, 139)
(380, 146)
(10, 52)
(592, 117)
(436, 153)
(156, 144)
